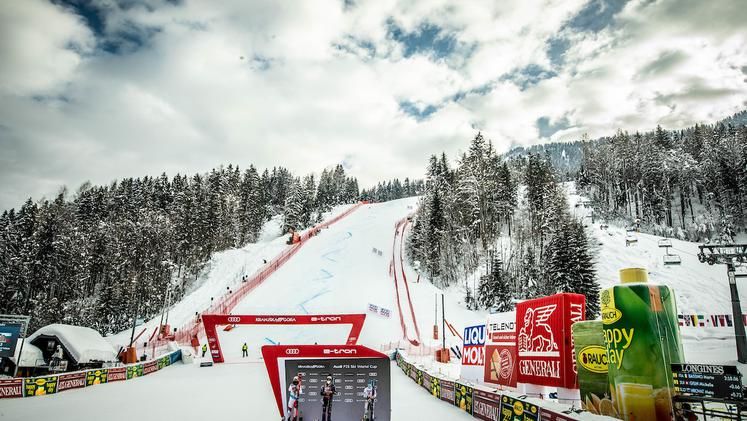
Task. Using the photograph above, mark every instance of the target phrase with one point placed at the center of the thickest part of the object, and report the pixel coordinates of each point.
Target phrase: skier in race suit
(369, 393)
(294, 391)
(328, 392)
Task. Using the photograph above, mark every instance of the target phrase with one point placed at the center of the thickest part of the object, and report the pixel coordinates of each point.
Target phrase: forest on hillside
(690, 184)
(473, 222)
(102, 254)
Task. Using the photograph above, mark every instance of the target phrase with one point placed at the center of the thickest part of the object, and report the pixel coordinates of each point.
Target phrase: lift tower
(731, 255)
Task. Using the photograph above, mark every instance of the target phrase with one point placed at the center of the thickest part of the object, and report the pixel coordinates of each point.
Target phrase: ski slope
(338, 271)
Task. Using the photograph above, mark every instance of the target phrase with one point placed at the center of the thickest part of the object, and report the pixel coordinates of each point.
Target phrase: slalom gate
(225, 304)
(478, 401)
(47, 385)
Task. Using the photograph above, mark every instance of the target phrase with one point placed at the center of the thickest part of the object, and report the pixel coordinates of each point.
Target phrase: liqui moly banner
(473, 353)
(500, 349)
(545, 352)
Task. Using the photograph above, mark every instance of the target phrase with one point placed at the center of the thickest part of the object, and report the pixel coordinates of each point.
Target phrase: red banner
(71, 381)
(500, 350)
(545, 352)
(546, 415)
(210, 321)
(117, 374)
(150, 367)
(12, 388)
(486, 405)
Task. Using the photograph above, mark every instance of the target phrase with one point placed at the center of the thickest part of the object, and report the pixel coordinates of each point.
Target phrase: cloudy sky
(102, 89)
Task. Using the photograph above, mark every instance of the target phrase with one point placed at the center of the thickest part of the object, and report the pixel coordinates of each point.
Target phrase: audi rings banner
(360, 380)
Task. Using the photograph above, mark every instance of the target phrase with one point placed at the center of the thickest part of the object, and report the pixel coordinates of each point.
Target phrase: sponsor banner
(116, 374)
(150, 367)
(719, 381)
(708, 320)
(11, 388)
(592, 365)
(518, 410)
(134, 371)
(426, 383)
(473, 353)
(447, 391)
(9, 334)
(436, 387)
(486, 405)
(547, 415)
(164, 361)
(463, 397)
(414, 373)
(385, 312)
(94, 377)
(175, 356)
(40, 386)
(71, 381)
(545, 354)
(350, 378)
(642, 339)
(500, 350)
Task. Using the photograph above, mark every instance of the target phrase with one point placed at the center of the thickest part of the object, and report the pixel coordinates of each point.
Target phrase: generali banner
(544, 349)
(500, 350)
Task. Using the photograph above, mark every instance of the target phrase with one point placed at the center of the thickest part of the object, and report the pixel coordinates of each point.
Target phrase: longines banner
(486, 405)
(500, 350)
(545, 352)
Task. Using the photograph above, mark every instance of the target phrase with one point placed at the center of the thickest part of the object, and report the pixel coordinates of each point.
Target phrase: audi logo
(292, 351)
(234, 319)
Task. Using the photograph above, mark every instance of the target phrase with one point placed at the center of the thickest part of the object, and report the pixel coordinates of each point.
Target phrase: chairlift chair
(672, 260)
(665, 243)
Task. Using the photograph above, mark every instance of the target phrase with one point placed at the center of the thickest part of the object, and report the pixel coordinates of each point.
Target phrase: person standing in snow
(57, 356)
(328, 392)
(294, 392)
(204, 350)
(369, 394)
(244, 351)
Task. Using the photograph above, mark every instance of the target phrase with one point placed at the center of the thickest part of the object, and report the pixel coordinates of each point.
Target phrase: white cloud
(186, 101)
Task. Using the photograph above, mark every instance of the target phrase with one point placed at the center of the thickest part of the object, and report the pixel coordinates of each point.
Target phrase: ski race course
(353, 265)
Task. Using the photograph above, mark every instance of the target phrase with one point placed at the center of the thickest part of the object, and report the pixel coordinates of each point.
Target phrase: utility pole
(730, 255)
(443, 320)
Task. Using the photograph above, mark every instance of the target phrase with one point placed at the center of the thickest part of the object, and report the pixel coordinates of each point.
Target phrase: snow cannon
(642, 338)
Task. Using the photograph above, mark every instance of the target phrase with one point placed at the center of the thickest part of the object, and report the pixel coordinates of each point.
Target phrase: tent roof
(82, 343)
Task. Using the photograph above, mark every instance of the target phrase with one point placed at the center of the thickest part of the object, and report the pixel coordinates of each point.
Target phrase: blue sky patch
(427, 39)
(596, 15)
(546, 129)
(418, 113)
(529, 76)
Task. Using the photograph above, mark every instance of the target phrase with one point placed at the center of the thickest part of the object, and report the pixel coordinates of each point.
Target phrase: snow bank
(82, 343)
(32, 355)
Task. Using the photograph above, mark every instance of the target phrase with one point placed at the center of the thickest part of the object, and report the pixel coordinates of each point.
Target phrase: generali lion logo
(536, 337)
(507, 364)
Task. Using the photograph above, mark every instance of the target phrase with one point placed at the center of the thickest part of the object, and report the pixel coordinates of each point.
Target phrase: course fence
(226, 304)
(478, 401)
(45, 385)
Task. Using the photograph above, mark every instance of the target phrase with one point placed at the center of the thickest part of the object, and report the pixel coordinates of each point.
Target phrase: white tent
(83, 344)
